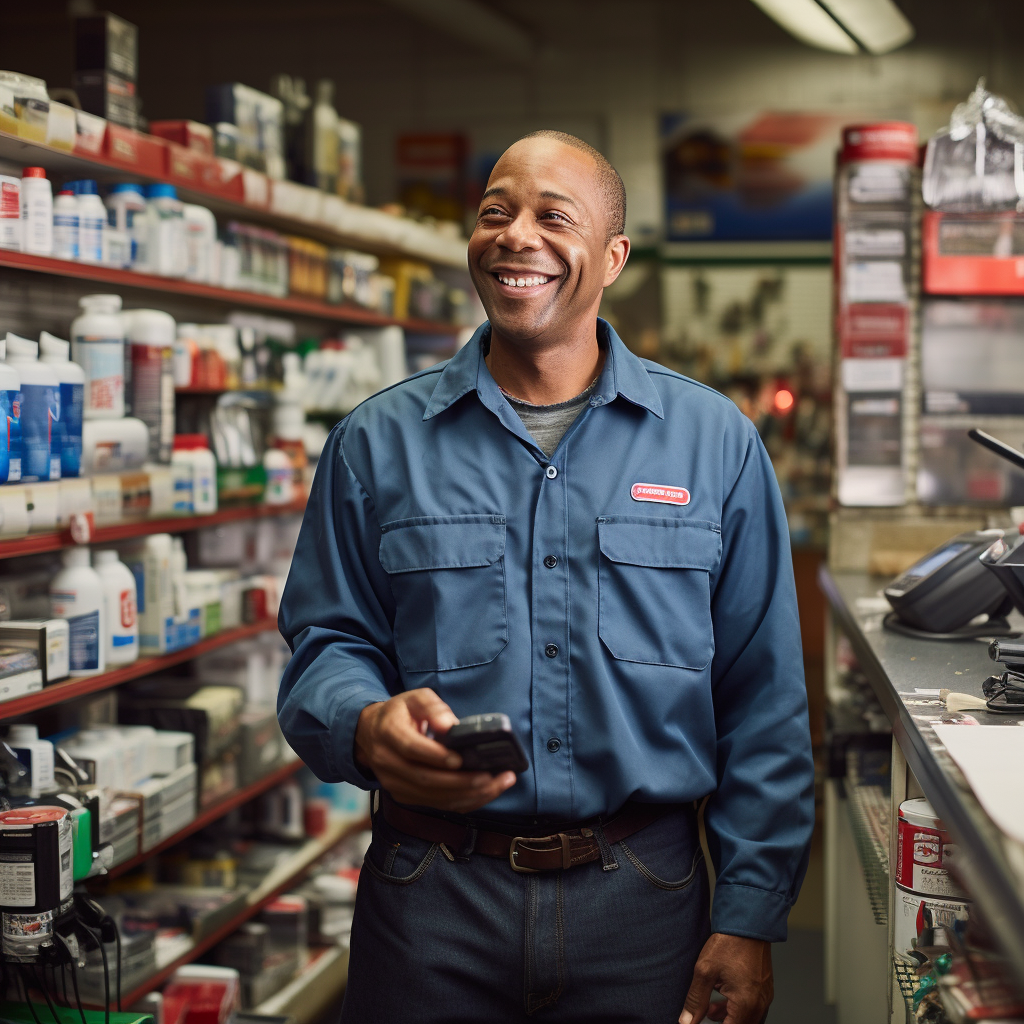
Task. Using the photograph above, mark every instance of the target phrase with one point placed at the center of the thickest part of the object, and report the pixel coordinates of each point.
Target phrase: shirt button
(554, 744)
(551, 650)
(550, 561)
(551, 472)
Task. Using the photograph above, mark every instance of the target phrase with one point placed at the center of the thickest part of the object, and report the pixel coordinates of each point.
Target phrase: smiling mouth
(522, 280)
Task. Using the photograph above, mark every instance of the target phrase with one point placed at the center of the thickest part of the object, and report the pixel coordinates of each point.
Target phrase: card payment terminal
(947, 588)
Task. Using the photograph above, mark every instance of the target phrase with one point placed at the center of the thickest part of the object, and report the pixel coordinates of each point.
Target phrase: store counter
(898, 668)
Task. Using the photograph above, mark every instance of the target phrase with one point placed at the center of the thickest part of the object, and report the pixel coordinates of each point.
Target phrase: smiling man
(549, 528)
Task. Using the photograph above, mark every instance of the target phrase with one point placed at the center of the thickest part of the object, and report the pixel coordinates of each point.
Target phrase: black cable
(994, 627)
(74, 976)
(46, 995)
(117, 942)
(24, 989)
(98, 939)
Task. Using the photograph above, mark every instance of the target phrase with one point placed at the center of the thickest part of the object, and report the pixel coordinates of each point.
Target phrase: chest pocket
(448, 577)
(654, 589)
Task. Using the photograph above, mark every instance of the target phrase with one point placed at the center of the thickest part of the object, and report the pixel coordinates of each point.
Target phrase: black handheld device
(487, 744)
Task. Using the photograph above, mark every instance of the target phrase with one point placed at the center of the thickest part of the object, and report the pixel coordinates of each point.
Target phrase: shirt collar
(624, 375)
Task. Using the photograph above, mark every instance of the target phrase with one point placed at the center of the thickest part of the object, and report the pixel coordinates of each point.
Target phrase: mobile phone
(487, 744)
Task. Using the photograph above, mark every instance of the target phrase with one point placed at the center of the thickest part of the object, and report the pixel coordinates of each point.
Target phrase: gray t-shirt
(548, 423)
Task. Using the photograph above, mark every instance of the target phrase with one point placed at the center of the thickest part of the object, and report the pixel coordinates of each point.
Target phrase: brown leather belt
(525, 854)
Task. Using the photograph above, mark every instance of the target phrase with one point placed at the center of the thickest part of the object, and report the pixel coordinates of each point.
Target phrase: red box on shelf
(190, 134)
(143, 154)
(972, 254)
(189, 168)
(227, 180)
(873, 330)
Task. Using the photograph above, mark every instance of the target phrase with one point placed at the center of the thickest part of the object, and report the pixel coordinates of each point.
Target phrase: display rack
(212, 814)
(276, 882)
(296, 304)
(60, 692)
(318, 984)
(868, 807)
(451, 252)
(40, 543)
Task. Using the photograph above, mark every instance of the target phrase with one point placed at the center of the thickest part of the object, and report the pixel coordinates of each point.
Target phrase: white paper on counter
(992, 759)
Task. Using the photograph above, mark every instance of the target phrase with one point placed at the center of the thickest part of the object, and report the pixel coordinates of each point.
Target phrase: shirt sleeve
(760, 817)
(336, 615)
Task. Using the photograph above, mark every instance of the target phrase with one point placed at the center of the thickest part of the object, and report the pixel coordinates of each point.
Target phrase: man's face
(540, 254)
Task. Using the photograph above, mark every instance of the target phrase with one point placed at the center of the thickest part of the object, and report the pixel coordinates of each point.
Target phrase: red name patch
(660, 492)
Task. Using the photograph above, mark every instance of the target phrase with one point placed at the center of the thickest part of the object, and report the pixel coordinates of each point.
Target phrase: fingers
(426, 706)
(452, 791)
(698, 999)
(717, 1011)
(399, 731)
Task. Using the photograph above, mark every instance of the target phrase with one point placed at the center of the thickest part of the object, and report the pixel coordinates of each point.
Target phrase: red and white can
(924, 852)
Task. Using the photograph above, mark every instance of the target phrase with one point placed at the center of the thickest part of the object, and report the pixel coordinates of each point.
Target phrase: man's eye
(492, 211)
(554, 215)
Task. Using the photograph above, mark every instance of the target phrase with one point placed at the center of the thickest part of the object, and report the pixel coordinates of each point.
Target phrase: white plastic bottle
(193, 450)
(280, 488)
(76, 594)
(36, 212)
(119, 608)
(165, 237)
(40, 410)
(149, 378)
(10, 410)
(65, 225)
(126, 211)
(92, 218)
(55, 352)
(97, 345)
(36, 755)
(200, 241)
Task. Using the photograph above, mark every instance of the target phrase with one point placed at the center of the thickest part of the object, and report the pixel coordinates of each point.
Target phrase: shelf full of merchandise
(380, 234)
(294, 304)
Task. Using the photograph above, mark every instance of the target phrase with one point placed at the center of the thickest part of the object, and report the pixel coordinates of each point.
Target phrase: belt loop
(608, 861)
(466, 850)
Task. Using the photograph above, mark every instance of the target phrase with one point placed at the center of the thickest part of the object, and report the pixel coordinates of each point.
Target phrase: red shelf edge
(60, 692)
(228, 927)
(40, 543)
(209, 815)
(176, 286)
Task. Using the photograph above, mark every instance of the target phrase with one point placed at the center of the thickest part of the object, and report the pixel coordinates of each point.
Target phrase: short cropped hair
(608, 178)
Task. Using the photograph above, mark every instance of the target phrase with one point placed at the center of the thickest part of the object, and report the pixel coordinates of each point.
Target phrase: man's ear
(616, 255)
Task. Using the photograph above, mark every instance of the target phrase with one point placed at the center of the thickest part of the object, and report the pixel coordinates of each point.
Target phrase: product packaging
(76, 594)
(54, 352)
(10, 417)
(36, 212)
(924, 852)
(65, 225)
(10, 212)
(51, 642)
(92, 221)
(97, 346)
(119, 602)
(149, 377)
(40, 411)
(36, 755)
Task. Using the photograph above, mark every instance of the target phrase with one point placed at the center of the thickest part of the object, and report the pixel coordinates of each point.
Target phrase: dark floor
(800, 980)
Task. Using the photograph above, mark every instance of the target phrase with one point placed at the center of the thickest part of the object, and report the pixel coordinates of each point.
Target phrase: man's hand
(415, 769)
(741, 970)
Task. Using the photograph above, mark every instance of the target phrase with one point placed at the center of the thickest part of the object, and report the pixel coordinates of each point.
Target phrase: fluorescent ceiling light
(810, 24)
(840, 25)
(878, 25)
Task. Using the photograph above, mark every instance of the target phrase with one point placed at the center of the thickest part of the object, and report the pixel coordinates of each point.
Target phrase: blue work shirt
(644, 648)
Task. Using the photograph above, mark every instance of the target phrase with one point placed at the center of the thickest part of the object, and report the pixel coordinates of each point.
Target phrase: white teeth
(522, 282)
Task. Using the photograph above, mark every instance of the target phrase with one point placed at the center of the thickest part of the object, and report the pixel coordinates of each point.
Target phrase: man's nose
(521, 234)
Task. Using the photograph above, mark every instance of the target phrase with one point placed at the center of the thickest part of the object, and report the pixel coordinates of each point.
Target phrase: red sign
(888, 140)
(661, 493)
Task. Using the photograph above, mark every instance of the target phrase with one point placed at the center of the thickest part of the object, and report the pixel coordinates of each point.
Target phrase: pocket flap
(442, 542)
(661, 543)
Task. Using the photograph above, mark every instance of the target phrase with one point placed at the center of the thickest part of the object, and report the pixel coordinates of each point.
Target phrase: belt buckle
(512, 851)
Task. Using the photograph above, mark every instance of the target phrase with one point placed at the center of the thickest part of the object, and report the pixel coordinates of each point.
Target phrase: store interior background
(749, 323)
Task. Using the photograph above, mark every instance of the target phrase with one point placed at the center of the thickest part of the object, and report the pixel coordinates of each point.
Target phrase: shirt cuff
(750, 913)
(343, 739)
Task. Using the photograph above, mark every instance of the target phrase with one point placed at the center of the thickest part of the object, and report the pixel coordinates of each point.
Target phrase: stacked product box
(877, 184)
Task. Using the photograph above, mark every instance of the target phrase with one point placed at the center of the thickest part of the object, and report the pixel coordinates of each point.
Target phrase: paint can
(924, 852)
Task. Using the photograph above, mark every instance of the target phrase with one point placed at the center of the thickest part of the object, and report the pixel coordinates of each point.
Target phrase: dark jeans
(442, 942)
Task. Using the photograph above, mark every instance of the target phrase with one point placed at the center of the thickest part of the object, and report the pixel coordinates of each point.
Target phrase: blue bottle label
(12, 405)
(69, 428)
(84, 641)
(40, 412)
(5, 436)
